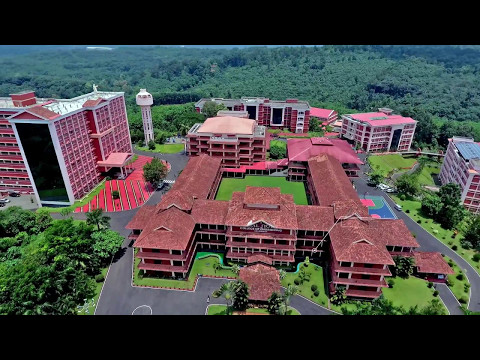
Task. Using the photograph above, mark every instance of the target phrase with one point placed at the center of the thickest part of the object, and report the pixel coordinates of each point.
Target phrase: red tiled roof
(260, 258)
(352, 240)
(115, 159)
(345, 208)
(397, 234)
(92, 103)
(262, 281)
(141, 218)
(305, 149)
(176, 198)
(330, 181)
(431, 263)
(211, 212)
(227, 125)
(171, 229)
(374, 119)
(43, 112)
(262, 195)
(317, 218)
(321, 113)
(283, 217)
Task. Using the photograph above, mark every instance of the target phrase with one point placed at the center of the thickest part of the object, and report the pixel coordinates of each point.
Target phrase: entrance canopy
(115, 160)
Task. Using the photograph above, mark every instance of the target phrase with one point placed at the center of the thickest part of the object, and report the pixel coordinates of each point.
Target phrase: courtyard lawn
(388, 163)
(409, 292)
(316, 278)
(203, 266)
(458, 287)
(426, 175)
(165, 148)
(230, 185)
(435, 229)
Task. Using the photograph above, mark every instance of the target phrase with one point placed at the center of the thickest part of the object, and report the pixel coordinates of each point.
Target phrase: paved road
(449, 299)
(427, 241)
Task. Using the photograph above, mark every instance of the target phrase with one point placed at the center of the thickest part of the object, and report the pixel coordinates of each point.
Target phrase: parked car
(390, 190)
(14, 194)
(2, 204)
(398, 207)
(5, 200)
(382, 186)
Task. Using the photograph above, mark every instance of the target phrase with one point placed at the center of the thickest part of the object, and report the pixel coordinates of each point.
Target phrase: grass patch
(200, 266)
(457, 286)
(436, 230)
(217, 310)
(229, 185)
(282, 144)
(316, 278)
(388, 163)
(164, 148)
(425, 177)
(409, 292)
(77, 203)
(98, 289)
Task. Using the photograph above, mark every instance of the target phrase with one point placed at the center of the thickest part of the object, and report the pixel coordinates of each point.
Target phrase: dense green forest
(433, 84)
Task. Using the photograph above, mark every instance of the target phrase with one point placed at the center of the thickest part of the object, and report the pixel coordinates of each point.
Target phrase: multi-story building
(324, 116)
(237, 141)
(462, 166)
(61, 146)
(379, 131)
(263, 222)
(292, 113)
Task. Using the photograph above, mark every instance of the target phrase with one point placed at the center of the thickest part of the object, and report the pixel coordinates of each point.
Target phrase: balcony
(363, 293)
(287, 258)
(161, 267)
(361, 270)
(159, 256)
(359, 282)
(249, 245)
(217, 140)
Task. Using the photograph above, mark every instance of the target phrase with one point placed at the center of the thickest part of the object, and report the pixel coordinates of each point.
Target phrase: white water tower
(145, 101)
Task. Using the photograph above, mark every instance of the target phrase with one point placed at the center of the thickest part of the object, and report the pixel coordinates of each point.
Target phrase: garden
(164, 148)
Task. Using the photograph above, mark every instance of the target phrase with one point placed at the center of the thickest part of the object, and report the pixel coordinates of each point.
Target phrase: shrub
(116, 194)
(407, 211)
(140, 274)
(466, 287)
(403, 197)
(430, 284)
(419, 221)
(450, 243)
(460, 277)
(435, 231)
(443, 237)
(391, 283)
(316, 293)
(414, 235)
(108, 178)
(463, 300)
(297, 281)
(99, 278)
(151, 145)
(454, 247)
(435, 293)
(476, 257)
(314, 288)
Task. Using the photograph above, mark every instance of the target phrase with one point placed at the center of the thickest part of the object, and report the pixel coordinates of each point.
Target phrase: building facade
(380, 131)
(324, 116)
(237, 141)
(291, 113)
(461, 166)
(64, 145)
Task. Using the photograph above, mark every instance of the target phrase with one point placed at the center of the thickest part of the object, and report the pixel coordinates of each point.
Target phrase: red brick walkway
(134, 191)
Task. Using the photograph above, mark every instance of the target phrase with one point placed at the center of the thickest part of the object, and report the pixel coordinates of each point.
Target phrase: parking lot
(24, 201)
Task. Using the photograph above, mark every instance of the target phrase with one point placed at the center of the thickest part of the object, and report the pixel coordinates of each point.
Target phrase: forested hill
(439, 81)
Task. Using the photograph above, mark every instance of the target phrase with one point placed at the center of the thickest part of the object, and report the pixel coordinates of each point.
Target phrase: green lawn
(165, 148)
(77, 203)
(200, 266)
(434, 228)
(409, 292)
(222, 310)
(229, 185)
(425, 177)
(316, 278)
(458, 286)
(388, 163)
(278, 143)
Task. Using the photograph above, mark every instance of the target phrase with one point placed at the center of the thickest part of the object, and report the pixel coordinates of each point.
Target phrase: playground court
(378, 207)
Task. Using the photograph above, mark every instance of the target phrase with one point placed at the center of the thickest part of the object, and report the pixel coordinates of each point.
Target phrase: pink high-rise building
(61, 146)
(462, 166)
(379, 131)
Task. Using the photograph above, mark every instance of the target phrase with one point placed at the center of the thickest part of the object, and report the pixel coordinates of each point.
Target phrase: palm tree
(227, 291)
(283, 274)
(236, 269)
(97, 218)
(290, 291)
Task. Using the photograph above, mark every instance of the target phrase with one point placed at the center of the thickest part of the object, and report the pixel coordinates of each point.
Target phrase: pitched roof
(305, 149)
(262, 281)
(283, 217)
(141, 218)
(431, 263)
(43, 112)
(397, 235)
(227, 125)
(321, 113)
(262, 195)
(317, 218)
(344, 208)
(176, 198)
(92, 103)
(170, 229)
(260, 258)
(211, 212)
(330, 181)
(381, 119)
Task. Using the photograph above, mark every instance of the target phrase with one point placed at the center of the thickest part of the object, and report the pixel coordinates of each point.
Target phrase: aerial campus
(306, 225)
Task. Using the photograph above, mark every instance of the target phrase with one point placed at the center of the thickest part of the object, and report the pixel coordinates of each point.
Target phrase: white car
(382, 186)
(5, 200)
(398, 207)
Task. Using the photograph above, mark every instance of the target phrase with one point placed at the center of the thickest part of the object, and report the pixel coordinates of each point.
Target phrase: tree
(408, 185)
(154, 172)
(43, 219)
(452, 212)
(240, 297)
(115, 194)
(211, 108)
(404, 266)
(106, 244)
(274, 302)
(96, 217)
(151, 145)
(431, 205)
(277, 151)
(339, 296)
(283, 274)
(65, 212)
(227, 291)
(235, 269)
(376, 178)
(314, 125)
(290, 291)
(471, 239)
